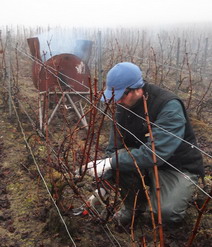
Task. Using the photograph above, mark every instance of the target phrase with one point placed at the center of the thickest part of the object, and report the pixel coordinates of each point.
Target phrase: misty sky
(99, 13)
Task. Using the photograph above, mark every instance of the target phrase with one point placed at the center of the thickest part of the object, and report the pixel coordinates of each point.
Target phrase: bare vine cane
(200, 212)
(133, 220)
(190, 92)
(17, 66)
(46, 130)
(71, 138)
(90, 134)
(155, 64)
(120, 51)
(91, 129)
(116, 152)
(87, 146)
(145, 191)
(99, 180)
(60, 82)
(201, 101)
(3, 52)
(155, 172)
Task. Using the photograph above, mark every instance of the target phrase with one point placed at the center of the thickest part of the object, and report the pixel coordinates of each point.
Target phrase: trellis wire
(86, 99)
(41, 175)
(78, 93)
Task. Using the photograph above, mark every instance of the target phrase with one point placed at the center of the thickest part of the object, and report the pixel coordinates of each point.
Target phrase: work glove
(102, 166)
(95, 198)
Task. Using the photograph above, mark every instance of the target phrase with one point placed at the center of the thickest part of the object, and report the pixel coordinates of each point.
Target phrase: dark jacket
(162, 105)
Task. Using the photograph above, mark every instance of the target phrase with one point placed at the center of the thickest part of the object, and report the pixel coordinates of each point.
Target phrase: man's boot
(127, 210)
(131, 189)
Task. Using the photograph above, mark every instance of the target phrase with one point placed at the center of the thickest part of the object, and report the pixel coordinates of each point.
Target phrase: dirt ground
(29, 219)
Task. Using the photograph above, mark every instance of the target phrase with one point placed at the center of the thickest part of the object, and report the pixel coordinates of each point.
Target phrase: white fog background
(107, 13)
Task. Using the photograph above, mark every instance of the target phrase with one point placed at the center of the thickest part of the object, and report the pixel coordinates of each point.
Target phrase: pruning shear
(80, 211)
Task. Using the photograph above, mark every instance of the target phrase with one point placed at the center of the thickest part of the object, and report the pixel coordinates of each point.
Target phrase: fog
(110, 13)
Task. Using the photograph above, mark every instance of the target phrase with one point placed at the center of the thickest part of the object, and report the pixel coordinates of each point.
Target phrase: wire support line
(39, 132)
(165, 65)
(185, 176)
(86, 99)
(47, 66)
(193, 146)
(52, 68)
(108, 231)
(105, 227)
(170, 133)
(188, 178)
(40, 173)
(192, 96)
(173, 67)
(65, 167)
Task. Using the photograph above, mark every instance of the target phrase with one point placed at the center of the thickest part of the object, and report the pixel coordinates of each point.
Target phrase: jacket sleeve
(172, 119)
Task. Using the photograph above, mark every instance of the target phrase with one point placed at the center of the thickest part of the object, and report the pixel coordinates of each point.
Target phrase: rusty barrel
(66, 72)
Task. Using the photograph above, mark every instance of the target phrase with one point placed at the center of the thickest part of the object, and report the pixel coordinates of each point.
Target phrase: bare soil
(28, 217)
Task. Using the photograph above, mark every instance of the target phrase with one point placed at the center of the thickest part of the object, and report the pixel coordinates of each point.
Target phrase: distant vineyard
(60, 142)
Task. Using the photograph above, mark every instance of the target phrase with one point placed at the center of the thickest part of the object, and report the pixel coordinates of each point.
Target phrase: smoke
(58, 41)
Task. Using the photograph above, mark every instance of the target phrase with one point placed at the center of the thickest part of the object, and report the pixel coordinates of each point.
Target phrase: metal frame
(61, 95)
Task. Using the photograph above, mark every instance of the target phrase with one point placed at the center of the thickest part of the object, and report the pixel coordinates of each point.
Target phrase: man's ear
(139, 91)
